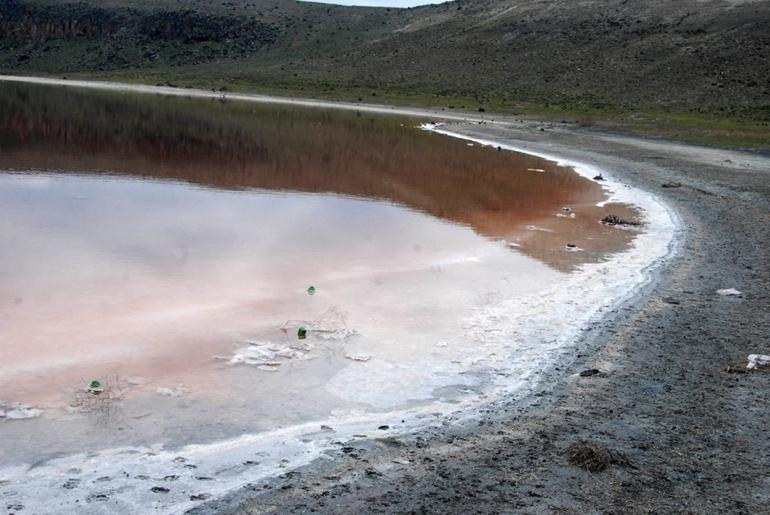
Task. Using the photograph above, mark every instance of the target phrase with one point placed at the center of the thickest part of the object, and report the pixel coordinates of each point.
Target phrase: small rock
(672, 185)
(671, 300)
(199, 497)
(159, 490)
(70, 483)
(383, 428)
(590, 372)
(729, 292)
(592, 457)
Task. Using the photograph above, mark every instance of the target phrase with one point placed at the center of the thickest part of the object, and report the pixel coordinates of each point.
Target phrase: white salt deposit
(18, 411)
(758, 361)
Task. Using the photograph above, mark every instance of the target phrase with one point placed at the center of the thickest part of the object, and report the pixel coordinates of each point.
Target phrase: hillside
(691, 55)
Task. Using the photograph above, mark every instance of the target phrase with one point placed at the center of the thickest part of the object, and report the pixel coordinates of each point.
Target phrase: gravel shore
(671, 423)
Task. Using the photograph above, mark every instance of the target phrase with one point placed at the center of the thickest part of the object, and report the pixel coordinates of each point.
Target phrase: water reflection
(148, 238)
(242, 146)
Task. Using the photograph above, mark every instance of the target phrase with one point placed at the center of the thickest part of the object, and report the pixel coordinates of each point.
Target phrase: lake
(224, 268)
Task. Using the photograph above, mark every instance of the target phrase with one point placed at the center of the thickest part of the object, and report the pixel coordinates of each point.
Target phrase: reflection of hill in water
(241, 146)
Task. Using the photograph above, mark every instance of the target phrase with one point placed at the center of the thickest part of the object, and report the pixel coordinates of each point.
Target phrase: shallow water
(165, 246)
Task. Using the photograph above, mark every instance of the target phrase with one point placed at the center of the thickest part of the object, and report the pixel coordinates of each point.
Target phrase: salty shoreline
(378, 454)
(539, 330)
(667, 396)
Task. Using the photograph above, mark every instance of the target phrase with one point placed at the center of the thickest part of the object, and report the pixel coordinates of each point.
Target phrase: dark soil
(667, 427)
(595, 458)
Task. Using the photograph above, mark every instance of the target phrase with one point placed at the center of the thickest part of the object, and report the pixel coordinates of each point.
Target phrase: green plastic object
(302, 333)
(95, 386)
(311, 290)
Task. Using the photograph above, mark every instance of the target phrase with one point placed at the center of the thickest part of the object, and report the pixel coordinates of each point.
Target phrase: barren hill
(708, 55)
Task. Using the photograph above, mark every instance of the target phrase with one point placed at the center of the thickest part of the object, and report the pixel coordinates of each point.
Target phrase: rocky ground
(672, 423)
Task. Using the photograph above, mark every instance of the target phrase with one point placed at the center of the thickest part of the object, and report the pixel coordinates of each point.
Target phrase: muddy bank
(671, 426)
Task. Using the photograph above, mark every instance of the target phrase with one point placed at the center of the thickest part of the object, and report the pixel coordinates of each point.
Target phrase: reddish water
(144, 236)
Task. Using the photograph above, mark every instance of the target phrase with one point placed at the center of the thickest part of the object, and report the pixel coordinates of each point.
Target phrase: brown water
(144, 240)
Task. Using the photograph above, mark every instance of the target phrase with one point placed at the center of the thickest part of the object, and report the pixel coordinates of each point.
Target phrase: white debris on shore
(174, 391)
(758, 361)
(358, 357)
(729, 292)
(268, 355)
(18, 411)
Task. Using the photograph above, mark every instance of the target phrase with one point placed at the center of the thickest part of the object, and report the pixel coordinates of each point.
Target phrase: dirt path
(694, 434)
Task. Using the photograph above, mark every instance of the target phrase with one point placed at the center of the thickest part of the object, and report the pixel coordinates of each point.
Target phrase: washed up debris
(200, 497)
(590, 372)
(159, 490)
(358, 357)
(757, 361)
(95, 387)
(671, 300)
(268, 355)
(599, 177)
(671, 185)
(594, 458)
(571, 247)
(311, 290)
(729, 292)
(174, 391)
(18, 411)
(97, 397)
(332, 325)
(611, 219)
(567, 209)
(538, 170)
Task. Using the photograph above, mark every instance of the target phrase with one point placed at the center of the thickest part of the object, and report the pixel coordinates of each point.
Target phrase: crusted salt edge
(545, 338)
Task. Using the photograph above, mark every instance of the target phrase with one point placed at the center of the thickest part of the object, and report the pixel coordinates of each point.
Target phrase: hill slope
(711, 55)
